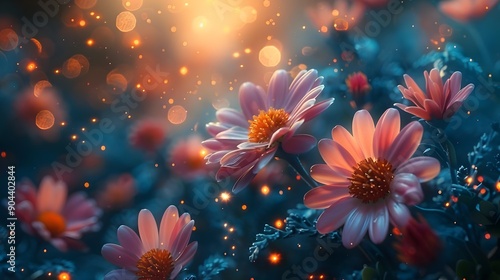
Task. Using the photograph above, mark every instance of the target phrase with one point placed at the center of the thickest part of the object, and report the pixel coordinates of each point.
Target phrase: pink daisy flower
(49, 215)
(369, 177)
(439, 102)
(244, 142)
(157, 254)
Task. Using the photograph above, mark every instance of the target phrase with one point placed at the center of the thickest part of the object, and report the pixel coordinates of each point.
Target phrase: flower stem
(294, 162)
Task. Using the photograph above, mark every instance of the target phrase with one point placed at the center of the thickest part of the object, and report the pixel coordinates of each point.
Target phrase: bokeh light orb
(40, 87)
(8, 39)
(71, 68)
(270, 56)
(248, 14)
(132, 5)
(44, 120)
(85, 4)
(177, 114)
(125, 21)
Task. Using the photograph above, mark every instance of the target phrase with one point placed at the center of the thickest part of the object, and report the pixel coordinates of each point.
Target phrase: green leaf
(465, 269)
(368, 273)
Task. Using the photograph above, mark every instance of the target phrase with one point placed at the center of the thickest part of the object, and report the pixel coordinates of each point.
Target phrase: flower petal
(51, 195)
(356, 226)
(325, 175)
(335, 216)
(387, 129)
(148, 230)
(232, 117)
(317, 109)
(188, 254)
(345, 139)
(425, 168)
(363, 129)
(335, 155)
(182, 240)
(379, 225)
(302, 83)
(405, 144)
(167, 224)
(128, 238)
(119, 256)
(324, 196)
(278, 89)
(405, 188)
(399, 214)
(299, 144)
(120, 274)
(252, 100)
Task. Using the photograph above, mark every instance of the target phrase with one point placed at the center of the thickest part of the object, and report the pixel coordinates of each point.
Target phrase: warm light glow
(487, 235)
(86, 185)
(270, 56)
(3, 154)
(64, 276)
(243, 207)
(265, 190)
(44, 120)
(125, 21)
(497, 186)
(469, 180)
(396, 231)
(82, 23)
(225, 196)
(30, 66)
(274, 258)
(278, 223)
(184, 70)
(177, 114)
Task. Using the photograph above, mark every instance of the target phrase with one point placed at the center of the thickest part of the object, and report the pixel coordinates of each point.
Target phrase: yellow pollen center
(265, 124)
(371, 180)
(53, 222)
(156, 264)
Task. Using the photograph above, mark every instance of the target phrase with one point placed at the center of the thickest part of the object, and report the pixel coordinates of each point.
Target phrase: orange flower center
(53, 222)
(156, 264)
(371, 180)
(265, 124)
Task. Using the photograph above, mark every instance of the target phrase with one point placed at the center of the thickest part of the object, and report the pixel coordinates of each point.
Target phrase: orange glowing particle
(335, 13)
(243, 207)
(64, 276)
(447, 204)
(225, 196)
(323, 29)
(82, 23)
(136, 42)
(341, 24)
(497, 186)
(30, 66)
(86, 185)
(469, 180)
(274, 258)
(236, 54)
(454, 199)
(265, 190)
(278, 223)
(487, 236)
(3, 154)
(184, 70)
(482, 191)
(480, 179)
(297, 177)
(90, 42)
(103, 148)
(247, 50)
(396, 231)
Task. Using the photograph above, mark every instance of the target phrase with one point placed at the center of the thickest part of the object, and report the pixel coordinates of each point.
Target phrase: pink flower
(244, 142)
(48, 215)
(118, 192)
(369, 177)
(465, 10)
(147, 135)
(419, 245)
(187, 158)
(439, 102)
(158, 253)
(357, 84)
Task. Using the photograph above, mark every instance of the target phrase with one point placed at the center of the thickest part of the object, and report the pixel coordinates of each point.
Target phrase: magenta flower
(244, 142)
(50, 216)
(158, 253)
(369, 177)
(439, 102)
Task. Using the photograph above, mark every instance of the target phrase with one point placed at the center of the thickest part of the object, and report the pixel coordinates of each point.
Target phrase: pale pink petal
(278, 88)
(363, 129)
(455, 82)
(416, 111)
(356, 225)
(345, 139)
(250, 145)
(335, 216)
(433, 109)
(216, 156)
(379, 225)
(299, 144)
(119, 256)
(435, 87)
(188, 254)
(335, 155)
(130, 240)
(168, 221)
(399, 214)
(387, 129)
(322, 197)
(25, 211)
(232, 117)
(80, 207)
(59, 244)
(405, 188)
(419, 95)
(425, 168)
(307, 100)
(279, 134)
(234, 133)
(213, 144)
(120, 274)
(252, 100)
(182, 240)
(405, 144)
(148, 230)
(462, 94)
(175, 272)
(183, 220)
(41, 230)
(51, 195)
(302, 83)
(325, 175)
(317, 109)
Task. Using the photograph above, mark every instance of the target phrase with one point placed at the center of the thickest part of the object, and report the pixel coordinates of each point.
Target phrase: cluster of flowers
(368, 181)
